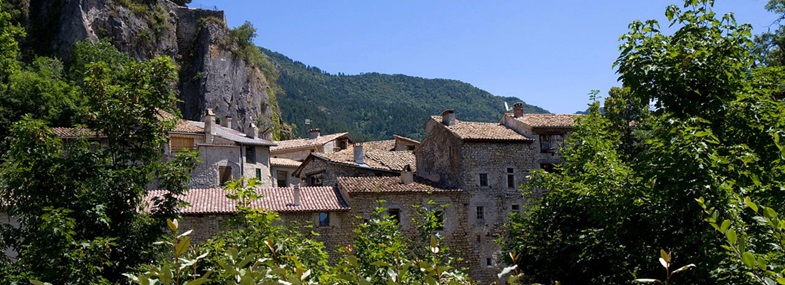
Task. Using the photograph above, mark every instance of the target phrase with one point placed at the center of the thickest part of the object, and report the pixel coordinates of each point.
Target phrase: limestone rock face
(211, 74)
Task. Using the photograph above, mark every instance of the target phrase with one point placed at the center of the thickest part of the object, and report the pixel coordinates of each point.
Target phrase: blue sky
(548, 53)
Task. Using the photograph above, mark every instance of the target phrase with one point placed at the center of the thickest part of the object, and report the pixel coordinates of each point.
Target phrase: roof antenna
(507, 107)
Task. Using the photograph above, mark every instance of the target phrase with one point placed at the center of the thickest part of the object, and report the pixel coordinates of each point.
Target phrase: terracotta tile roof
(72, 132)
(182, 126)
(549, 120)
(477, 131)
(284, 162)
(306, 143)
(376, 159)
(397, 137)
(386, 185)
(385, 145)
(279, 199)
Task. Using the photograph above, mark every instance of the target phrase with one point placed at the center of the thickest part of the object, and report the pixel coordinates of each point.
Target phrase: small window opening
(483, 179)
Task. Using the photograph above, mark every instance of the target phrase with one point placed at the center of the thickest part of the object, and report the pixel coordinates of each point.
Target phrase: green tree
(80, 205)
(711, 132)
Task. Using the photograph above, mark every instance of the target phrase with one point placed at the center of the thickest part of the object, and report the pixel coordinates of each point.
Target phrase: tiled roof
(182, 126)
(548, 120)
(234, 135)
(385, 145)
(72, 132)
(397, 137)
(376, 159)
(385, 184)
(477, 131)
(305, 143)
(279, 199)
(284, 162)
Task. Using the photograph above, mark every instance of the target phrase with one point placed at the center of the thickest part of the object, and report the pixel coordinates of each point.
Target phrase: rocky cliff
(212, 74)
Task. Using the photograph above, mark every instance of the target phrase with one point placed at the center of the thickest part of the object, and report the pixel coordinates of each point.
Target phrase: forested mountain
(373, 106)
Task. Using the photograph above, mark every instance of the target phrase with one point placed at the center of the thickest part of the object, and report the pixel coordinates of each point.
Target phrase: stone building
(289, 154)
(323, 208)
(489, 161)
(324, 169)
(299, 149)
(225, 153)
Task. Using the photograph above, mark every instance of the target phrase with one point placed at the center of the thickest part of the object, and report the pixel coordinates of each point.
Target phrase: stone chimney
(358, 153)
(517, 110)
(296, 195)
(227, 122)
(209, 125)
(252, 131)
(448, 117)
(406, 175)
(314, 133)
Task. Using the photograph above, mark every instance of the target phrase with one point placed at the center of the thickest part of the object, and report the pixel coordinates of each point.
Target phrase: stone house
(489, 161)
(323, 208)
(324, 169)
(287, 156)
(225, 153)
(299, 149)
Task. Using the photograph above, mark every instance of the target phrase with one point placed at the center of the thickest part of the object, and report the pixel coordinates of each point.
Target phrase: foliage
(665, 259)
(80, 204)
(695, 120)
(770, 45)
(261, 247)
(373, 106)
(180, 266)
(380, 254)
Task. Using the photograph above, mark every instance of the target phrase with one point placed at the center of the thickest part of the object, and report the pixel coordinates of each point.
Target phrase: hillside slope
(373, 106)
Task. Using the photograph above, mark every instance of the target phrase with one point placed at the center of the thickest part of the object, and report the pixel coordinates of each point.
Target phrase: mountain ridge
(375, 106)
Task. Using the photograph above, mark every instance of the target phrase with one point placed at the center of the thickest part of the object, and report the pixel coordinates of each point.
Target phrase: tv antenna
(507, 107)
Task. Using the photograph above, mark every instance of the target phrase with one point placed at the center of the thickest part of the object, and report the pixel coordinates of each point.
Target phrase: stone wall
(214, 156)
(335, 236)
(439, 155)
(493, 159)
(331, 171)
(298, 155)
(455, 233)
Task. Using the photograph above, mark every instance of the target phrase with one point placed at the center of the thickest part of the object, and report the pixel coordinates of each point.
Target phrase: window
(314, 179)
(181, 144)
(516, 208)
(324, 219)
(224, 174)
(480, 213)
(488, 261)
(551, 143)
(280, 178)
(483, 179)
(395, 214)
(440, 220)
(250, 154)
(510, 178)
(548, 167)
(259, 174)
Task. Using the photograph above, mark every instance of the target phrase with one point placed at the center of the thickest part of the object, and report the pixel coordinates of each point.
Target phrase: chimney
(406, 175)
(209, 125)
(313, 133)
(517, 110)
(448, 117)
(227, 122)
(252, 131)
(296, 195)
(358, 153)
